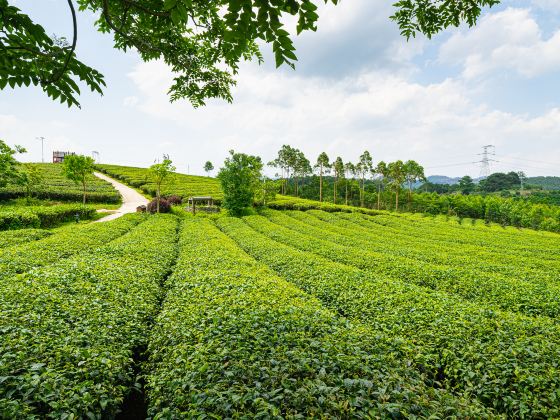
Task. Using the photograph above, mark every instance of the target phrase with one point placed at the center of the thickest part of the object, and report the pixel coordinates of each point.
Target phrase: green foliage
(546, 182)
(21, 236)
(506, 361)
(236, 341)
(66, 242)
(159, 173)
(431, 17)
(240, 178)
(505, 211)
(208, 167)
(499, 181)
(78, 168)
(8, 163)
(182, 185)
(31, 179)
(41, 216)
(55, 186)
(28, 56)
(202, 42)
(267, 190)
(69, 330)
(466, 185)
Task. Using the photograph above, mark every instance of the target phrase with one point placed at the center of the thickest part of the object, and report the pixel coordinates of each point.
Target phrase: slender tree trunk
(334, 189)
(378, 196)
(362, 193)
(397, 201)
(84, 186)
(157, 197)
(321, 185)
(346, 194)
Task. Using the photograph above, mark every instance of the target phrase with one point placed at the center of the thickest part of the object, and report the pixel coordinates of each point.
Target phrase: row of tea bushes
(17, 237)
(43, 216)
(57, 187)
(178, 184)
(65, 242)
(235, 341)
(529, 294)
(69, 331)
(508, 362)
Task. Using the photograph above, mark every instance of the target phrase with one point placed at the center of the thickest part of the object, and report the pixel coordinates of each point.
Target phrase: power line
(450, 164)
(531, 160)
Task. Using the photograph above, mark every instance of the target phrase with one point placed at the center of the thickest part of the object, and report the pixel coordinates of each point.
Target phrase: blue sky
(358, 85)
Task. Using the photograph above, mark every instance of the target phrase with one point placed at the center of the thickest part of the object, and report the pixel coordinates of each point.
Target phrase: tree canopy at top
(203, 41)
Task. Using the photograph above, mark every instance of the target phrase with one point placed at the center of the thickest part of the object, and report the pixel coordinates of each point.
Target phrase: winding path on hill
(130, 198)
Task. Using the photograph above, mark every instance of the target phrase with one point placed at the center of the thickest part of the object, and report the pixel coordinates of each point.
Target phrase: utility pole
(42, 140)
(487, 151)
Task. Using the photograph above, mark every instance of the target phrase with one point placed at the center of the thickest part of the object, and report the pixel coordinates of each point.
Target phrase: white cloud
(510, 40)
(389, 115)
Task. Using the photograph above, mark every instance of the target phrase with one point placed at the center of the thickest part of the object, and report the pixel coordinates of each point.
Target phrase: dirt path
(130, 199)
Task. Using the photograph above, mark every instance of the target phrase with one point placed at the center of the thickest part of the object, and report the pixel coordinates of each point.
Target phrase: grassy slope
(177, 184)
(58, 188)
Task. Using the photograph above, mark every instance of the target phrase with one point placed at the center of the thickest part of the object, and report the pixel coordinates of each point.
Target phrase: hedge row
(462, 238)
(17, 237)
(282, 202)
(236, 341)
(508, 362)
(178, 184)
(57, 187)
(69, 331)
(529, 296)
(62, 244)
(61, 194)
(42, 216)
(460, 261)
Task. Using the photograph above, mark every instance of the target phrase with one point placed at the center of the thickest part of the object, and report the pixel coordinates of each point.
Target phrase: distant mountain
(442, 179)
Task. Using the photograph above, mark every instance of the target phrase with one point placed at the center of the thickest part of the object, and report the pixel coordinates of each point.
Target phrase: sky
(358, 85)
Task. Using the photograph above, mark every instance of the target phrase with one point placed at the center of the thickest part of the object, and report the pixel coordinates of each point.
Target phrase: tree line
(342, 182)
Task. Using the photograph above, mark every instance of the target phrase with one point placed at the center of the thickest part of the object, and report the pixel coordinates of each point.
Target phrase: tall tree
(8, 163)
(350, 171)
(240, 179)
(31, 179)
(202, 41)
(413, 172)
(365, 166)
(466, 185)
(286, 160)
(79, 169)
(208, 167)
(397, 174)
(323, 165)
(382, 172)
(159, 173)
(338, 167)
(302, 168)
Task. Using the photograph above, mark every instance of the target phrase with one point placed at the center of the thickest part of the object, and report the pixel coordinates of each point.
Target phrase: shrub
(174, 200)
(164, 206)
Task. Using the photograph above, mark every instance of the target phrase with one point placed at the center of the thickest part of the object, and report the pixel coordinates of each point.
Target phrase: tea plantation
(281, 314)
(177, 184)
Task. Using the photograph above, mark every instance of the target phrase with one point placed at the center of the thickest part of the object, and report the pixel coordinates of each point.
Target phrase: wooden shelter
(201, 201)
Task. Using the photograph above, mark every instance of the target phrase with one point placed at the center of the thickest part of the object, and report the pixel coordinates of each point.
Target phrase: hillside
(58, 188)
(304, 312)
(177, 184)
(546, 182)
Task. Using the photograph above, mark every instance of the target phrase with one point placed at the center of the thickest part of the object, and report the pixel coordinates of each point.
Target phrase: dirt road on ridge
(130, 198)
